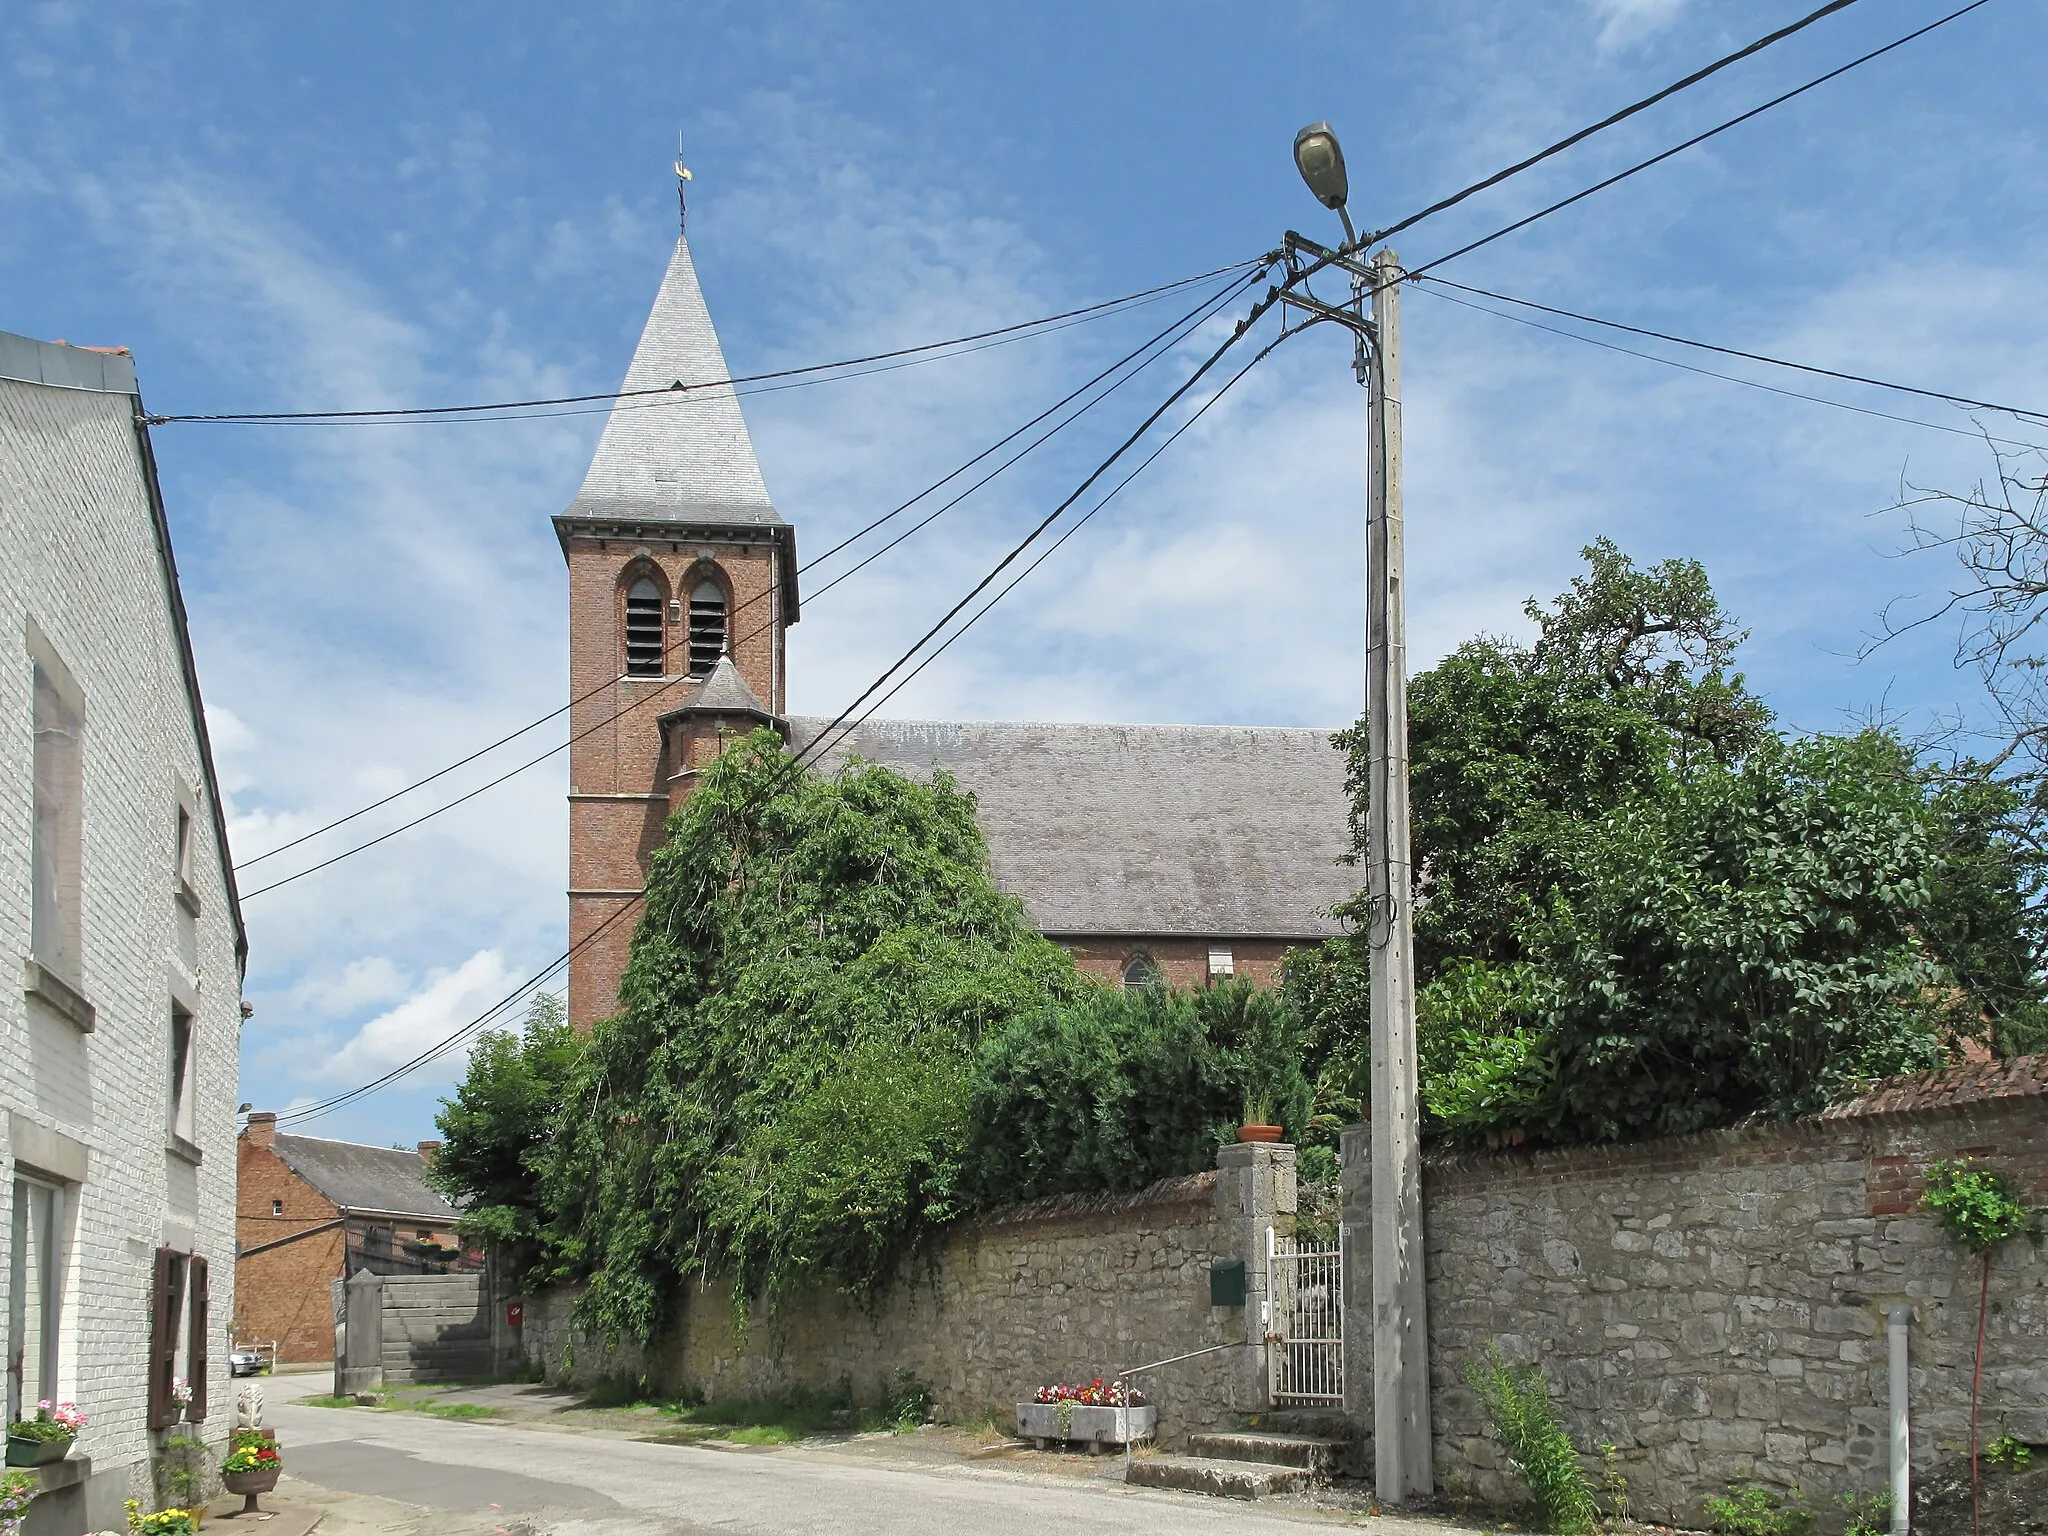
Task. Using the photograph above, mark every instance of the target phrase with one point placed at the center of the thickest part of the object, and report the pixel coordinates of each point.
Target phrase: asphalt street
(536, 1479)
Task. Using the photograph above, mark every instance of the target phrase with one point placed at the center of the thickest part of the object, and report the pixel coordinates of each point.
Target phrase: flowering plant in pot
(17, 1490)
(252, 1466)
(161, 1522)
(46, 1436)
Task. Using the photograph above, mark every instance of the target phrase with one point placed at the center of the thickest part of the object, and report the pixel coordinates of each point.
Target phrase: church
(1182, 853)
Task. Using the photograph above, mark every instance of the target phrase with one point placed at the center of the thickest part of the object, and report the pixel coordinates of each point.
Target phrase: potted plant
(1093, 1414)
(252, 1467)
(17, 1492)
(162, 1522)
(1258, 1118)
(45, 1438)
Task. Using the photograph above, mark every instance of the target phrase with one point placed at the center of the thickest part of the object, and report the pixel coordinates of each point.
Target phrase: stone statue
(249, 1406)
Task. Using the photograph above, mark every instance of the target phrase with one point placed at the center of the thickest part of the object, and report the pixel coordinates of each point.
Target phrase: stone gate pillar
(1255, 1193)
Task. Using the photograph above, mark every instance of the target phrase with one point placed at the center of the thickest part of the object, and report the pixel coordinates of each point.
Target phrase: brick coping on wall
(1972, 1084)
(1185, 1189)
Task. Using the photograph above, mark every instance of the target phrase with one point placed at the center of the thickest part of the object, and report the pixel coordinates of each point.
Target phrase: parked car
(246, 1362)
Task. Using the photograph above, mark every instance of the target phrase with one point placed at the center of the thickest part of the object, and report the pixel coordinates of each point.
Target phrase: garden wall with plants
(1713, 1306)
(1062, 1289)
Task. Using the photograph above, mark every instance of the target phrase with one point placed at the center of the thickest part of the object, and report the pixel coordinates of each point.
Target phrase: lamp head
(1320, 160)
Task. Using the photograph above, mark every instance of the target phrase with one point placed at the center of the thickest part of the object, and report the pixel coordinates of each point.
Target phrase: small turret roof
(725, 692)
(680, 459)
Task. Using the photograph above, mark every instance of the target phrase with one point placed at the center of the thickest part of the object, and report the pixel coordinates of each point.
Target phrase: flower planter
(249, 1484)
(1092, 1427)
(23, 1451)
(1259, 1132)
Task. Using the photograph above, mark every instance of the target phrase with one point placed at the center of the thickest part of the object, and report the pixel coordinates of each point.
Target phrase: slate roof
(388, 1180)
(724, 691)
(686, 459)
(1204, 831)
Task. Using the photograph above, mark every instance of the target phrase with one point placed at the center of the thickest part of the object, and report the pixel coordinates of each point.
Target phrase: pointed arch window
(1142, 973)
(644, 644)
(707, 626)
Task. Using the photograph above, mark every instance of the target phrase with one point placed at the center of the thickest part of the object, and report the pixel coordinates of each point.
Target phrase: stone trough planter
(1094, 1428)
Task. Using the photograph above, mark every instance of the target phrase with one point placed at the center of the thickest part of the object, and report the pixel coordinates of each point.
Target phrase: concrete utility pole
(1400, 1331)
(1400, 1355)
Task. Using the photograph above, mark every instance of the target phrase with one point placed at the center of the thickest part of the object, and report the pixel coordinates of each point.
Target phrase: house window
(35, 1294)
(644, 643)
(179, 1337)
(1221, 964)
(182, 1067)
(1141, 971)
(56, 842)
(707, 626)
(277, 1207)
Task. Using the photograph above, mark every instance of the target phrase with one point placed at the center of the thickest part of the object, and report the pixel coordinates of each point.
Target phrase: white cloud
(1623, 22)
(448, 1002)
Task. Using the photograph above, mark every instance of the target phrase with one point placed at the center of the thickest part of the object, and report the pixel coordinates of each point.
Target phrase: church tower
(682, 581)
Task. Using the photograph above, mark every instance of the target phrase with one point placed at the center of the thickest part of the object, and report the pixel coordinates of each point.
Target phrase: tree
(496, 1126)
(782, 1096)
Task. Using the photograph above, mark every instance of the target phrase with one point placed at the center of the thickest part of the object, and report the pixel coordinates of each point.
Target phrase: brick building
(120, 1025)
(1184, 851)
(309, 1212)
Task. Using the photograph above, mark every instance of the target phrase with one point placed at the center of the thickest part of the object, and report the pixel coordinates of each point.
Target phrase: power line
(1754, 357)
(680, 390)
(1162, 340)
(1608, 122)
(1698, 138)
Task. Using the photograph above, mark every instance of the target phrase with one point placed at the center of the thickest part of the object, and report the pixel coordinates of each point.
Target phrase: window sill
(188, 896)
(39, 981)
(179, 1147)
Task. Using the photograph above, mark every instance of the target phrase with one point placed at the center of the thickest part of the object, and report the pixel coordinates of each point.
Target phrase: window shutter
(197, 1335)
(165, 1309)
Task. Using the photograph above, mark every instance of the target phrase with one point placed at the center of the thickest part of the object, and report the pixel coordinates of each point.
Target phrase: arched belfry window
(707, 626)
(644, 644)
(1141, 971)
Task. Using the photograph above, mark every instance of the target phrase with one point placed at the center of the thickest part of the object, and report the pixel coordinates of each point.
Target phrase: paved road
(539, 1479)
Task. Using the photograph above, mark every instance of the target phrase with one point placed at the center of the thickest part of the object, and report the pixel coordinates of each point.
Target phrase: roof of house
(682, 458)
(1196, 830)
(388, 1180)
(111, 371)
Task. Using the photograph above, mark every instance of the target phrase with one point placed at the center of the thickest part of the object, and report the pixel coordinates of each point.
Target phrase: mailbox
(1226, 1284)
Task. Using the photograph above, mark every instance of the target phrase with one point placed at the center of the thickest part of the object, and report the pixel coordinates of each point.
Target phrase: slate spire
(685, 457)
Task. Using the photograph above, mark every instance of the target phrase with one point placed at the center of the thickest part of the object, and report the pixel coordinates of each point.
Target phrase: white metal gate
(1305, 1331)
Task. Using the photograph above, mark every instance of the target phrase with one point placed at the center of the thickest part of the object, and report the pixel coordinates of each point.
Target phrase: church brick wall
(1183, 961)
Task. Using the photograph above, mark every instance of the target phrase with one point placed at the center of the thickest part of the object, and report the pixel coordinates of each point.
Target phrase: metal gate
(1305, 1331)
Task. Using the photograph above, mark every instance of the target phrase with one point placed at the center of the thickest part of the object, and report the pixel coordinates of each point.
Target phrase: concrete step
(1316, 1455)
(1225, 1479)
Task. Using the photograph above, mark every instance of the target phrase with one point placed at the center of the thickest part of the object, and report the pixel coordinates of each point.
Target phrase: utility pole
(1400, 1354)
(1400, 1323)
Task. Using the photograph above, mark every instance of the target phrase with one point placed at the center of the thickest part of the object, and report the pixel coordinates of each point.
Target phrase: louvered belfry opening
(707, 626)
(644, 644)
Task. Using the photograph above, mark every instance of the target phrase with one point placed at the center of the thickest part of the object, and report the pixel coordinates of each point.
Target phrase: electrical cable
(1608, 122)
(681, 390)
(1754, 357)
(1698, 138)
(1161, 342)
(1672, 362)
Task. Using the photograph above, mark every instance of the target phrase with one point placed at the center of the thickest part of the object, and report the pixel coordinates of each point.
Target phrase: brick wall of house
(1183, 961)
(281, 1294)
(79, 559)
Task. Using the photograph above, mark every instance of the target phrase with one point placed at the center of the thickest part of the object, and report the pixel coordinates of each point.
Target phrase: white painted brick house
(120, 1016)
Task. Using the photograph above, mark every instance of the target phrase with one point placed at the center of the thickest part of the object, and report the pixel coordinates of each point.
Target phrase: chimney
(428, 1149)
(262, 1129)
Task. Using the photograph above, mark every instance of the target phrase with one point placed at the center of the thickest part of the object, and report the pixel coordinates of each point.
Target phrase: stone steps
(1314, 1454)
(1224, 1479)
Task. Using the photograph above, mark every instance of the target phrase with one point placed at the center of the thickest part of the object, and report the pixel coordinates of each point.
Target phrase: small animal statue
(249, 1407)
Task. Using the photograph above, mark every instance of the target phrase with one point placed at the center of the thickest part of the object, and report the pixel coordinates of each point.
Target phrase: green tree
(781, 1098)
(496, 1127)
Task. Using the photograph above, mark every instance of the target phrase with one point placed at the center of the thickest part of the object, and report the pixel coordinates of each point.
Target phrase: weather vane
(682, 184)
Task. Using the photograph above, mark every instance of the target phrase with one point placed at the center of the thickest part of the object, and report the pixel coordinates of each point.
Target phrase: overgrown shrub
(1515, 1399)
(1754, 1510)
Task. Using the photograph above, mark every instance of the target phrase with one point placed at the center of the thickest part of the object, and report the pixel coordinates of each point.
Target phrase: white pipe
(1896, 1323)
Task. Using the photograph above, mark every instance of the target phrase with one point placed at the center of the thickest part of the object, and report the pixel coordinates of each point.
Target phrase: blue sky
(297, 208)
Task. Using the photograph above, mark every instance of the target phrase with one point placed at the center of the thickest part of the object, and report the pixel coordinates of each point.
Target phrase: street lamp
(1400, 1333)
(1320, 159)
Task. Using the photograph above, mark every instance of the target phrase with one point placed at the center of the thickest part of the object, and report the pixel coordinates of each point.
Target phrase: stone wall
(1057, 1290)
(1714, 1306)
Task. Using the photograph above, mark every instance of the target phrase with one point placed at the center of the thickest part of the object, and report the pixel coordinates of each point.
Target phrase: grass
(454, 1410)
(328, 1400)
(408, 1399)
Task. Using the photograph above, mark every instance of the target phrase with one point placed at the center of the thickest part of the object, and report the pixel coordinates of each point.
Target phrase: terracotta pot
(1258, 1133)
(250, 1482)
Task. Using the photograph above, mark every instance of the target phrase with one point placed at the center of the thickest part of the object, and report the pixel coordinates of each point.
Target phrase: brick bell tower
(682, 581)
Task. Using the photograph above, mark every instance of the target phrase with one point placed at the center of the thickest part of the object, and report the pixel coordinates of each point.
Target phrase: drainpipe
(1897, 1321)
